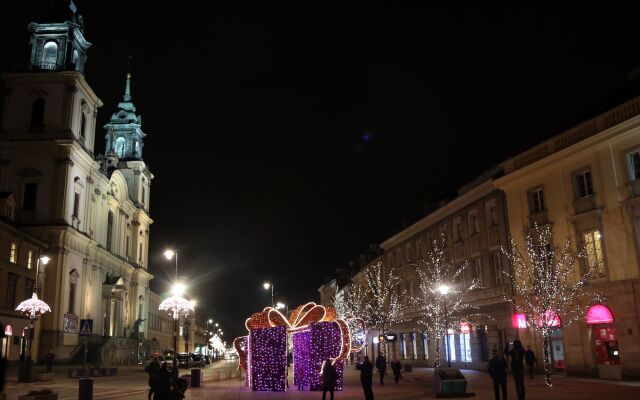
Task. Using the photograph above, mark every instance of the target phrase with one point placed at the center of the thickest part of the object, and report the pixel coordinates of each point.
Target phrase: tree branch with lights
(548, 288)
(442, 294)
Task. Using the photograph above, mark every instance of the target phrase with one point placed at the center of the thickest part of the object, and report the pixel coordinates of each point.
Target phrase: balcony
(47, 66)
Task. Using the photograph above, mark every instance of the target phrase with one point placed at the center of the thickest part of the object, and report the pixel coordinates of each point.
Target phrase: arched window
(140, 304)
(83, 119)
(50, 55)
(37, 112)
(120, 146)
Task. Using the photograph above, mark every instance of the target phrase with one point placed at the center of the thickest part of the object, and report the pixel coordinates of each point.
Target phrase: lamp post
(207, 336)
(33, 308)
(266, 286)
(444, 290)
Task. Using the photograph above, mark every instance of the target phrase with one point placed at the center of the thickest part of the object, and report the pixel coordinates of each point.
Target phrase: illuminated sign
(8, 330)
(390, 337)
(465, 327)
(599, 314)
(519, 321)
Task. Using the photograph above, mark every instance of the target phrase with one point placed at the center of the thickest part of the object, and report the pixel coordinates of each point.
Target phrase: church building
(90, 211)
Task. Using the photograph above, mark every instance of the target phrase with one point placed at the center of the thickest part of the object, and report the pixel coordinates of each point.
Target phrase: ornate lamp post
(266, 286)
(444, 290)
(33, 308)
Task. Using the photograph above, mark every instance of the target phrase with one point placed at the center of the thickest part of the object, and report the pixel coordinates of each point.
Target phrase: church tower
(124, 131)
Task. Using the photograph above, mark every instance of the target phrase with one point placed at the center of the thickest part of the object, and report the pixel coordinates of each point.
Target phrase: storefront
(604, 339)
(15, 339)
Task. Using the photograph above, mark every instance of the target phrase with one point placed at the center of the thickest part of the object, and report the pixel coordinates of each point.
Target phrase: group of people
(162, 385)
(366, 373)
(498, 369)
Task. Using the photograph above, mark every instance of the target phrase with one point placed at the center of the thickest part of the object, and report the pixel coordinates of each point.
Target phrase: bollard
(85, 389)
(195, 377)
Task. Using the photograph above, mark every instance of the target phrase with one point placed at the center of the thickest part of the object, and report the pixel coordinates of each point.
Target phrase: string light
(268, 358)
(33, 307)
(543, 286)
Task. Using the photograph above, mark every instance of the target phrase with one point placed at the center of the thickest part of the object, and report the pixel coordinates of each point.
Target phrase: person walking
(517, 366)
(162, 383)
(366, 377)
(396, 367)
(498, 373)
(381, 364)
(328, 378)
(530, 359)
(152, 369)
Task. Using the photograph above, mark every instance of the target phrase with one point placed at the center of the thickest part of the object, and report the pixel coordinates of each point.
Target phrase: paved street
(132, 384)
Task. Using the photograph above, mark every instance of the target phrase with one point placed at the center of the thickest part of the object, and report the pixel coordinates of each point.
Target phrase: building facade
(91, 211)
(159, 327)
(585, 183)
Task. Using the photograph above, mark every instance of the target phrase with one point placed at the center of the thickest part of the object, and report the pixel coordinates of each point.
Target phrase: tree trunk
(436, 363)
(546, 343)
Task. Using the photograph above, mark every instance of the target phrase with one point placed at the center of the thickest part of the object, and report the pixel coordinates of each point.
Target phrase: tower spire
(127, 89)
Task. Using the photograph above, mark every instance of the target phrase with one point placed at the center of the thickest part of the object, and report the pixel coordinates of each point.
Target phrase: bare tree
(442, 292)
(548, 288)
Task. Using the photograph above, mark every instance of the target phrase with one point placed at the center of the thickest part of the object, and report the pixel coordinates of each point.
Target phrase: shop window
(425, 343)
(605, 340)
(465, 347)
(595, 258)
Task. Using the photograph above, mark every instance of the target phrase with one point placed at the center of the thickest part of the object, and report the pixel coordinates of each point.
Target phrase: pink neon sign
(519, 321)
(8, 331)
(599, 314)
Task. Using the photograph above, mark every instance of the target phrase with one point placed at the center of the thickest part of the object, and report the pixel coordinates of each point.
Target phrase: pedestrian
(530, 359)
(396, 367)
(517, 366)
(498, 373)
(50, 360)
(162, 383)
(328, 378)
(152, 369)
(381, 364)
(366, 377)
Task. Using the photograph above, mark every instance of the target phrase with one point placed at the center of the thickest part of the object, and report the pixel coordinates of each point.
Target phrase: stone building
(159, 327)
(585, 183)
(91, 211)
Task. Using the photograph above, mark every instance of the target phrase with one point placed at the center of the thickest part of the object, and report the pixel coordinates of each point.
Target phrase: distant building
(159, 327)
(91, 211)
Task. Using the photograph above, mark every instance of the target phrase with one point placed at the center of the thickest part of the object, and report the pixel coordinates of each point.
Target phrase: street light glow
(211, 321)
(216, 324)
(178, 289)
(45, 260)
(169, 254)
(280, 306)
(444, 290)
(266, 285)
(193, 303)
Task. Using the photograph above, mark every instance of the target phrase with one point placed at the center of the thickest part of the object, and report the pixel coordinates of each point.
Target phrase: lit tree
(442, 293)
(385, 299)
(547, 287)
(350, 304)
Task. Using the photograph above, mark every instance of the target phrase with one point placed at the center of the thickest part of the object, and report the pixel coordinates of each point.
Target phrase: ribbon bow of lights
(33, 307)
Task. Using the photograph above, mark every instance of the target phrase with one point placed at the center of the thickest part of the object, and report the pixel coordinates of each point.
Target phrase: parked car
(184, 360)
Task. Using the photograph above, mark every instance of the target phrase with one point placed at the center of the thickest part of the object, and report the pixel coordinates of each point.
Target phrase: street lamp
(266, 286)
(444, 290)
(33, 308)
(282, 306)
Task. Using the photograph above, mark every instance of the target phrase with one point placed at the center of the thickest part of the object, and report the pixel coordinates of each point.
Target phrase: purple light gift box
(268, 359)
(311, 348)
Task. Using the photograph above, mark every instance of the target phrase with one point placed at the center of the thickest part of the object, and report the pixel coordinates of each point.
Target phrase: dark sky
(256, 115)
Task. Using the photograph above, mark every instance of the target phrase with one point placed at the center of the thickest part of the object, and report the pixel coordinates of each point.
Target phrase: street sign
(8, 331)
(86, 327)
(390, 337)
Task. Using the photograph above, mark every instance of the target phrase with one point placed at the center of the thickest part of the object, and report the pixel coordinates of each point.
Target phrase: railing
(47, 66)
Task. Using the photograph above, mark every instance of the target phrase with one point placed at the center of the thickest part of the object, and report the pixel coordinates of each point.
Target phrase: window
(477, 264)
(593, 245)
(583, 183)
(140, 255)
(72, 297)
(537, 201)
(29, 197)
(408, 252)
(83, 124)
(37, 113)
(11, 290)
(109, 230)
(120, 146)
(465, 347)
(425, 343)
(634, 165)
(492, 215)
(144, 195)
(497, 269)
(404, 345)
(415, 345)
(50, 54)
(76, 204)
(126, 254)
(13, 253)
(28, 287)
(457, 230)
(30, 260)
(474, 227)
(451, 349)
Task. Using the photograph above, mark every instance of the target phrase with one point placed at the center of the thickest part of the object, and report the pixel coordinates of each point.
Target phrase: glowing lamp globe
(33, 307)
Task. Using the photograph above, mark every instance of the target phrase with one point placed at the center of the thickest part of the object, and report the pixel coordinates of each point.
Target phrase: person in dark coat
(530, 359)
(328, 378)
(366, 377)
(381, 364)
(50, 360)
(498, 373)
(162, 383)
(517, 366)
(396, 367)
(152, 369)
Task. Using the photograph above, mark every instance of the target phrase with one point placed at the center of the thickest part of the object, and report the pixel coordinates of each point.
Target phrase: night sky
(285, 138)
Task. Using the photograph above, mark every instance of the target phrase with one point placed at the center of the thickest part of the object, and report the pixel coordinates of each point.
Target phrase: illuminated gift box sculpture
(317, 335)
